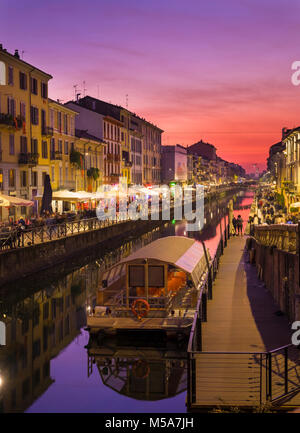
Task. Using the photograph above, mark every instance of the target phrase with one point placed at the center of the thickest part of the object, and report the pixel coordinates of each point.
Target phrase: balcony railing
(68, 184)
(127, 163)
(28, 158)
(47, 131)
(10, 122)
(56, 155)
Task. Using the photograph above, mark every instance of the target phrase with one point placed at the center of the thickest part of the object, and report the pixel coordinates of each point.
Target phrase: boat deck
(131, 323)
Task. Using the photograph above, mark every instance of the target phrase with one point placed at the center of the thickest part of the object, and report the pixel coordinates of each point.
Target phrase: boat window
(136, 275)
(156, 276)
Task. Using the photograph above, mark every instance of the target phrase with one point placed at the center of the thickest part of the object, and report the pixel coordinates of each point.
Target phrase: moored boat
(154, 288)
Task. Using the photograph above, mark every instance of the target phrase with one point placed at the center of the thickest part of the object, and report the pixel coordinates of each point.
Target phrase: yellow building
(62, 122)
(24, 131)
(89, 176)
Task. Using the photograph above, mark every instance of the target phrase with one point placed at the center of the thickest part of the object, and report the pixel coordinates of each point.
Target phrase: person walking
(234, 223)
(240, 224)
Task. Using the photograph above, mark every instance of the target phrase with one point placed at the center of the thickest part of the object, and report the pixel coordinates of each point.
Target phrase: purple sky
(217, 70)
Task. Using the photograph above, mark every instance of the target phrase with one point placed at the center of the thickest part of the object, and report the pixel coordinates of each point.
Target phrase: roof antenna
(84, 89)
(127, 100)
(75, 90)
(22, 52)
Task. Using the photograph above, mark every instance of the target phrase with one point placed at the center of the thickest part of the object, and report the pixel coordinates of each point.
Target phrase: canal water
(45, 366)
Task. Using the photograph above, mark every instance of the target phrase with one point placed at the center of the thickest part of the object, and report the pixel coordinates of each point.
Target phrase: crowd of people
(269, 211)
(11, 230)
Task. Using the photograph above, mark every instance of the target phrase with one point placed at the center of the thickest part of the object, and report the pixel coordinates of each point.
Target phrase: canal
(45, 366)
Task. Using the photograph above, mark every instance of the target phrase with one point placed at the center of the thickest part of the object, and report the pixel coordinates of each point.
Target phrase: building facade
(24, 129)
(62, 123)
(174, 164)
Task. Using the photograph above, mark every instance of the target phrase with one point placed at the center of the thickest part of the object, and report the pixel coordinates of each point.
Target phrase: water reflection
(45, 316)
(153, 371)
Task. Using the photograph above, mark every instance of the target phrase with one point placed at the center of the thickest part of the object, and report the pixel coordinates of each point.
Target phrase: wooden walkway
(240, 318)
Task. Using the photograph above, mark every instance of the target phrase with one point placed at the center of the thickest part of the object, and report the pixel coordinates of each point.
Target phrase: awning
(186, 253)
(9, 200)
(66, 195)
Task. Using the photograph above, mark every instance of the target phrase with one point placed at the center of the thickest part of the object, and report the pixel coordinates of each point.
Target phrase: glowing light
(173, 221)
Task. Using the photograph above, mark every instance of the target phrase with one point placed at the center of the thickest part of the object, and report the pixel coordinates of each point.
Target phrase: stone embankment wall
(275, 251)
(22, 262)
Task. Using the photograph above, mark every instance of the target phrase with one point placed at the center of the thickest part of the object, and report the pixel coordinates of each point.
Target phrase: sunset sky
(217, 70)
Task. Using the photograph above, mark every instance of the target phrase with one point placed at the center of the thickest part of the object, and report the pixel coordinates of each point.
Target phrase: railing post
(222, 242)
(204, 307)
(199, 334)
(225, 231)
(269, 376)
(286, 370)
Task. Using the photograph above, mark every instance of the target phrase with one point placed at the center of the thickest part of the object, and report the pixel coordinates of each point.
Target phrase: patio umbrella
(9, 200)
(47, 195)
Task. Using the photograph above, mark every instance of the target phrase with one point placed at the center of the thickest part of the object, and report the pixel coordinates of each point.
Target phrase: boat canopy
(185, 253)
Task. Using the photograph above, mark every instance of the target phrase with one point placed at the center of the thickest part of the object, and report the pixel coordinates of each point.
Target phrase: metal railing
(250, 377)
(49, 231)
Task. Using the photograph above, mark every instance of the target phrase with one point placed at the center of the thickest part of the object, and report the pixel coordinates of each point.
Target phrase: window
(1, 179)
(36, 315)
(23, 144)
(11, 106)
(66, 123)
(23, 81)
(43, 177)
(23, 110)
(44, 90)
(60, 146)
(46, 311)
(52, 174)
(67, 173)
(12, 177)
(34, 145)
(44, 149)
(34, 113)
(25, 387)
(36, 348)
(36, 377)
(66, 147)
(10, 75)
(51, 115)
(11, 144)
(23, 177)
(34, 178)
(34, 86)
(59, 121)
(46, 369)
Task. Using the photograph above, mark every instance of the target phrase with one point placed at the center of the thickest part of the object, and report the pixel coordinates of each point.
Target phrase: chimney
(17, 54)
(1, 47)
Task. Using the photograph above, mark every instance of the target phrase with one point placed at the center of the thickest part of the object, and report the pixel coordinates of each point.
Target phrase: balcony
(57, 155)
(30, 159)
(47, 131)
(68, 184)
(7, 121)
(127, 163)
